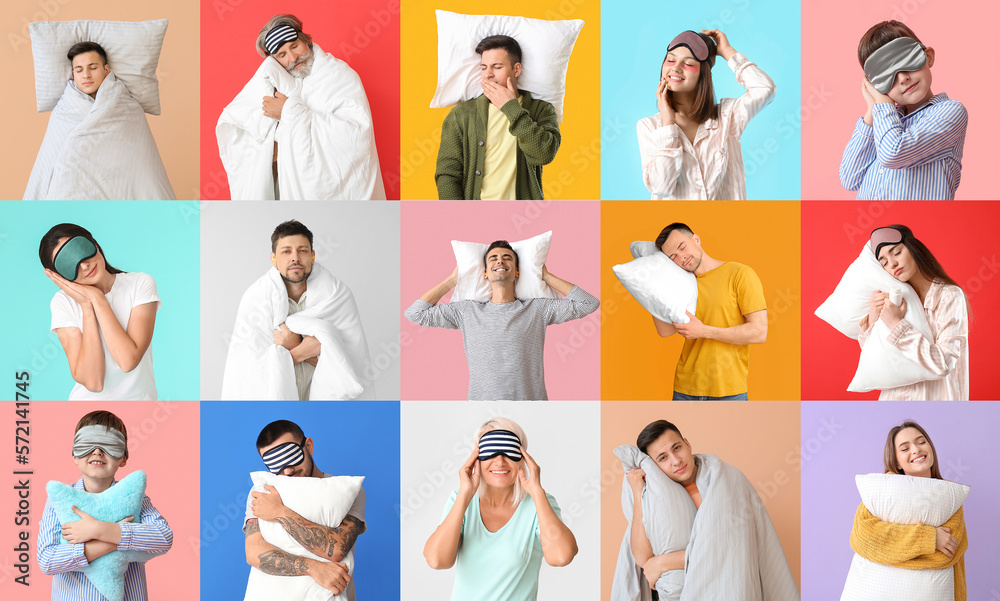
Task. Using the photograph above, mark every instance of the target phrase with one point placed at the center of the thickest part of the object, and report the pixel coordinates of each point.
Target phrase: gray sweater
(504, 342)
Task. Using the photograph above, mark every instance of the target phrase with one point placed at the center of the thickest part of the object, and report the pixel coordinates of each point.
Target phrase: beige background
(175, 131)
(760, 439)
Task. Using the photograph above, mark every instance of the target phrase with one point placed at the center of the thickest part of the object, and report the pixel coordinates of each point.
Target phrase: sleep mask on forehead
(696, 44)
(901, 54)
(109, 440)
(500, 442)
(285, 455)
(884, 236)
(68, 258)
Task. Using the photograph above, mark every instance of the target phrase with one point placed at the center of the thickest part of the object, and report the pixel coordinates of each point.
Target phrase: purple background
(840, 440)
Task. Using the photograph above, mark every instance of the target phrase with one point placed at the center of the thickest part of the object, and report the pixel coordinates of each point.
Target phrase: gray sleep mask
(76, 250)
(901, 54)
(109, 440)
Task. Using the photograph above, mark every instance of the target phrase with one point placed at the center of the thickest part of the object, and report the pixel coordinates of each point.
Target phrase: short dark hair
(290, 228)
(106, 419)
(81, 47)
(276, 429)
(653, 431)
(677, 225)
(506, 42)
(501, 244)
(881, 34)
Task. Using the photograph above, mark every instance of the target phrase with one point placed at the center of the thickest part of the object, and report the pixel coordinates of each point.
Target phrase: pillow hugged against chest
(881, 366)
(323, 501)
(546, 47)
(903, 499)
(531, 255)
(124, 499)
(662, 288)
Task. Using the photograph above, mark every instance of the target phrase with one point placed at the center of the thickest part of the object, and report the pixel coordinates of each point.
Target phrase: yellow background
(635, 362)
(575, 172)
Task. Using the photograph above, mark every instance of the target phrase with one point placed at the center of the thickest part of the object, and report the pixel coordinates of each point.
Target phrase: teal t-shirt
(501, 565)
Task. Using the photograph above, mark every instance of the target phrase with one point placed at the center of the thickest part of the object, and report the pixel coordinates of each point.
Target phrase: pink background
(163, 442)
(433, 359)
(831, 82)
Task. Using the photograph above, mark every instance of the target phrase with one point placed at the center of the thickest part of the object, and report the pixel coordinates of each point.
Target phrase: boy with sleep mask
(908, 144)
(67, 550)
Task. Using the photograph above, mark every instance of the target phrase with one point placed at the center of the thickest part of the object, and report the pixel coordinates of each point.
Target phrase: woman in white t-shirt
(500, 522)
(103, 317)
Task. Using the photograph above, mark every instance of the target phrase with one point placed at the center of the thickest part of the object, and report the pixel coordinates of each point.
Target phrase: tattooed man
(286, 451)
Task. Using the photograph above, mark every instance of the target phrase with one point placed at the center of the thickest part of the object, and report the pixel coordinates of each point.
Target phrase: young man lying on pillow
(97, 146)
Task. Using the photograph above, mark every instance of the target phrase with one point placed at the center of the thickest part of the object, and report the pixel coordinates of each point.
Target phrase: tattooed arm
(271, 560)
(327, 542)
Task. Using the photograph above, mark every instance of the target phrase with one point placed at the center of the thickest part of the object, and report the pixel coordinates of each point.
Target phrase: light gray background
(357, 241)
(436, 437)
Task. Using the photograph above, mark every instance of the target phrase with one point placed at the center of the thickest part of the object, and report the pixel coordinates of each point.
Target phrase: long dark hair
(67, 230)
(705, 107)
(889, 460)
(928, 265)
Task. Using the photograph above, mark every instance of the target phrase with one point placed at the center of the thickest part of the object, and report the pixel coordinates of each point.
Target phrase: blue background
(157, 238)
(350, 438)
(634, 38)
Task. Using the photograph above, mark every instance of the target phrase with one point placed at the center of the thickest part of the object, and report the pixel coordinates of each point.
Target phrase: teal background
(157, 238)
(634, 38)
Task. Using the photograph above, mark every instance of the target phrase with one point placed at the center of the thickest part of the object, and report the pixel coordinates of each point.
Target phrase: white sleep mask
(901, 54)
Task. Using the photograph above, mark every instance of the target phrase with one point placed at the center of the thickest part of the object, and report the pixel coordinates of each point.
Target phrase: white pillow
(531, 255)
(133, 52)
(545, 50)
(323, 501)
(658, 284)
(881, 365)
(904, 500)
(667, 513)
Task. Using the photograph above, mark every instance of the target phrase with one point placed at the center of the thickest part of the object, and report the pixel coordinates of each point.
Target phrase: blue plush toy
(106, 573)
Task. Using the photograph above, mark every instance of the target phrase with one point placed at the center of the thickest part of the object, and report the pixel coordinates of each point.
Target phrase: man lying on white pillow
(286, 451)
(493, 146)
(505, 336)
(301, 129)
(98, 145)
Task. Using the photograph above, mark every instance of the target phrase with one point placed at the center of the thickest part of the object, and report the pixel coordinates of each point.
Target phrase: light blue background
(350, 438)
(634, 38)
(157, 238)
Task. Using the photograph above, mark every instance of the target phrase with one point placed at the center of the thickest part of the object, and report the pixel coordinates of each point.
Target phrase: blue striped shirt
(149, 533)
(917, 156)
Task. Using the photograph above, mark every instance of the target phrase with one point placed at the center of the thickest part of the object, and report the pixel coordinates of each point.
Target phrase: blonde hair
(502, 423)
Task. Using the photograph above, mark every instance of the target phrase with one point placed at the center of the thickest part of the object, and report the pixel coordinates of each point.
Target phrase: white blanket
(98, 149)
(259, 369)
(733, 552)
(326, 141)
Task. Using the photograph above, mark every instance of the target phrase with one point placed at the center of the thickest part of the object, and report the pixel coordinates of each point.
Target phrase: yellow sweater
(910, 546)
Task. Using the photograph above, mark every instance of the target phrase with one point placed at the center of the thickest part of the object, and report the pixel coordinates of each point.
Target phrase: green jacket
(459, 173)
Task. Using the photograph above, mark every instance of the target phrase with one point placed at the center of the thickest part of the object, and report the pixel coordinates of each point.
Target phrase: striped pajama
(907, 157)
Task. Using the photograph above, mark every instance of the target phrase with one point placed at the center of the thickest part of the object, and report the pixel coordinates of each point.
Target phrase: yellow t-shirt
(713, 368)
(500, 166)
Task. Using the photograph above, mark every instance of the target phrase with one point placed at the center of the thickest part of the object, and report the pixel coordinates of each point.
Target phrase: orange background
(575, 174)
(635, 362)
(175, 131)
(761, 440)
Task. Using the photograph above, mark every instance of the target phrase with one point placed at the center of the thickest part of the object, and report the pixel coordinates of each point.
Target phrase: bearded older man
(301, 128)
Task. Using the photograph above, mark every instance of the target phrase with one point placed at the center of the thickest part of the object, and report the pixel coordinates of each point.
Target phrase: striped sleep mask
(285, 455)
(278, 37)
(500, 442)
(109, 440)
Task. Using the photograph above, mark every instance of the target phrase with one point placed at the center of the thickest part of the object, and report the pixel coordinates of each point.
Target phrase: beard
(305, 69)
(305, 276)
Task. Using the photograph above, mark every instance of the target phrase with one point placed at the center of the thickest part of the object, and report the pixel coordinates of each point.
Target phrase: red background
(962, 235)
(362, 33)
